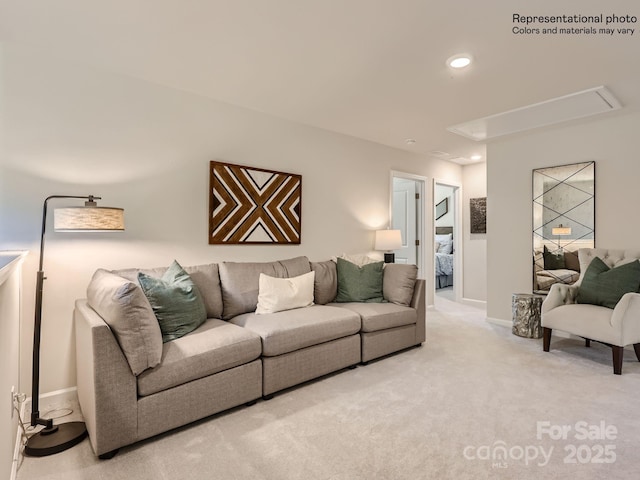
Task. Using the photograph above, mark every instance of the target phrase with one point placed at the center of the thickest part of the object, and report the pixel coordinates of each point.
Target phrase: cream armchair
(616, 327)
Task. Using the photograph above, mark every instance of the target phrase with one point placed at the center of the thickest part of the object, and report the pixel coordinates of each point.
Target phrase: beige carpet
(436, 412)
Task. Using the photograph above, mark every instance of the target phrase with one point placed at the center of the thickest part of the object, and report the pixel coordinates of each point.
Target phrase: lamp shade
(560, 230)
(88, 219)
(388, 240)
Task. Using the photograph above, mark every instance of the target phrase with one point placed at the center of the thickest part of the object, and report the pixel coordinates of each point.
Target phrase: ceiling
(372, 69)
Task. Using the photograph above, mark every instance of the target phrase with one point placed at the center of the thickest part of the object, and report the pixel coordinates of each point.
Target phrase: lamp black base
(58, 439)
(389, 258)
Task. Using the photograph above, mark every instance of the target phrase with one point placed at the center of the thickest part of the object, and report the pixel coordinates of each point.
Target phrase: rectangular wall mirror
(563, 222)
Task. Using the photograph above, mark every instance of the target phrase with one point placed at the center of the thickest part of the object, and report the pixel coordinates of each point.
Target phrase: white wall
(10, 272)
(441, 192)
(474, 181)
(72, 129)
(612, 141)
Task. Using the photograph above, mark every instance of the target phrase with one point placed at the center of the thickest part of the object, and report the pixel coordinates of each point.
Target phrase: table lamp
(388, 240)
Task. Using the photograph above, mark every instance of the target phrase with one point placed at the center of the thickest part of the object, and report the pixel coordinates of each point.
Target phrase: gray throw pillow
(175, 300)
(325, 288)
(398, 282)
(359, 284)
(605, 286)
(123, 306)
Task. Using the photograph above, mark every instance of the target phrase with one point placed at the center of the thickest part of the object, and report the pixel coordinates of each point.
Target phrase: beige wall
(474, 180)
(77, 130)
(612, 141)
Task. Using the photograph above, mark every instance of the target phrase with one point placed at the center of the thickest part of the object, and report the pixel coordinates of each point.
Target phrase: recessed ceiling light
(459, 61)
(476, 157)
(410, 141)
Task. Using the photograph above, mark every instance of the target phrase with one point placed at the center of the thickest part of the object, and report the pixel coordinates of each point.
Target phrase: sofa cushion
(175, 300)
(124, 307)
(240, 281)
(572, 318)
(605, 286)
(291, 330)
(325, 287)
(278, 294)
(359, 284)
(553, 260)
(398, 282)
(571, 261)
(380, 316)
(205, 277)
(213, 347)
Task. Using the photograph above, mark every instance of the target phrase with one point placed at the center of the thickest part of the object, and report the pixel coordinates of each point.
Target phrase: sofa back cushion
(325, 287)
(398, 282)
(205, 277)
(125, 308)
(240, 281)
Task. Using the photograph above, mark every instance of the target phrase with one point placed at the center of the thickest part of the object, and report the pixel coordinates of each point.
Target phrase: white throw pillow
(278, 294)
(359, 260)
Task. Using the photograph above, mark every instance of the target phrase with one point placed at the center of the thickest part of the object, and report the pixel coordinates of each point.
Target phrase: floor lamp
(90, 218)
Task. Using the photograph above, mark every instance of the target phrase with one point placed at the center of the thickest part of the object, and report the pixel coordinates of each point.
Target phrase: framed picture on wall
(253, 205)
(442, 208)
(478, 214)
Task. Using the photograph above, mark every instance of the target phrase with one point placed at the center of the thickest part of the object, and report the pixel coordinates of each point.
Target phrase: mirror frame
(556, 228)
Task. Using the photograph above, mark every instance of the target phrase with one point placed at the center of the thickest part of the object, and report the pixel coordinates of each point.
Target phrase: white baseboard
(474, 303)
(501, 322)
(49, 398)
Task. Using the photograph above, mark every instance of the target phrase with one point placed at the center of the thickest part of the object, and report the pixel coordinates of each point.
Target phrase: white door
(405, 219)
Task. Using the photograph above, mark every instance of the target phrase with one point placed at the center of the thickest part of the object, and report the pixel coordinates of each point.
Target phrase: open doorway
(407, 215)
(447, 245)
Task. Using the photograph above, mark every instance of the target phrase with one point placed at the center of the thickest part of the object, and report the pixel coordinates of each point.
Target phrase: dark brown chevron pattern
(253, 205)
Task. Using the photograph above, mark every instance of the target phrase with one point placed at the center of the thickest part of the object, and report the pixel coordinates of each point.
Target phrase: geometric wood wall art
(253, 206)
(478, 214)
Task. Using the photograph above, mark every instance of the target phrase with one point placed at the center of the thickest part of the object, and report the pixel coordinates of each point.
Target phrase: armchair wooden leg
(546, 338)
(587, 342)
(636, 348)
(618, 353)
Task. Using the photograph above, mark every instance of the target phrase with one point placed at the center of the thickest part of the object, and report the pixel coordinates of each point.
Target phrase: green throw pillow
(175, 300)
(359, 284)
(605, 286)
(552, 261)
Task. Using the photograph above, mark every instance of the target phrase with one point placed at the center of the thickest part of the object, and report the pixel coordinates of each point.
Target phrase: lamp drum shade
(388, 240)
(88, 219)
(560, 230)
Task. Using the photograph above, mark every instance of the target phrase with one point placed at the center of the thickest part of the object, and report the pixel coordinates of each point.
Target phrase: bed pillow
(175, 301)
(445, 243)
(359, 284)
(279, 294)
(605, 286)
(552, 260)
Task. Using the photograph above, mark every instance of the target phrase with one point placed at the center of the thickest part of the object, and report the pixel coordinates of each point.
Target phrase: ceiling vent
(569, 107)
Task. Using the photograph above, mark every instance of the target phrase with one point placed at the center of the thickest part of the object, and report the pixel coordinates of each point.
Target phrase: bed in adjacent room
(444, 257)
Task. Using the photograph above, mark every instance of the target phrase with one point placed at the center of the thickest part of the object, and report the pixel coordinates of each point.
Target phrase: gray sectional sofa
(131, 386)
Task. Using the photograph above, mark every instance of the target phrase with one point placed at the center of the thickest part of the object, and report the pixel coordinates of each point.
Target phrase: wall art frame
(478, 215)
(249, 206)
(442, 208)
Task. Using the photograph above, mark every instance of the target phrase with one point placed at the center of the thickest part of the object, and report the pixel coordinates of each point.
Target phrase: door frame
(422, 183)
(458, 280)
